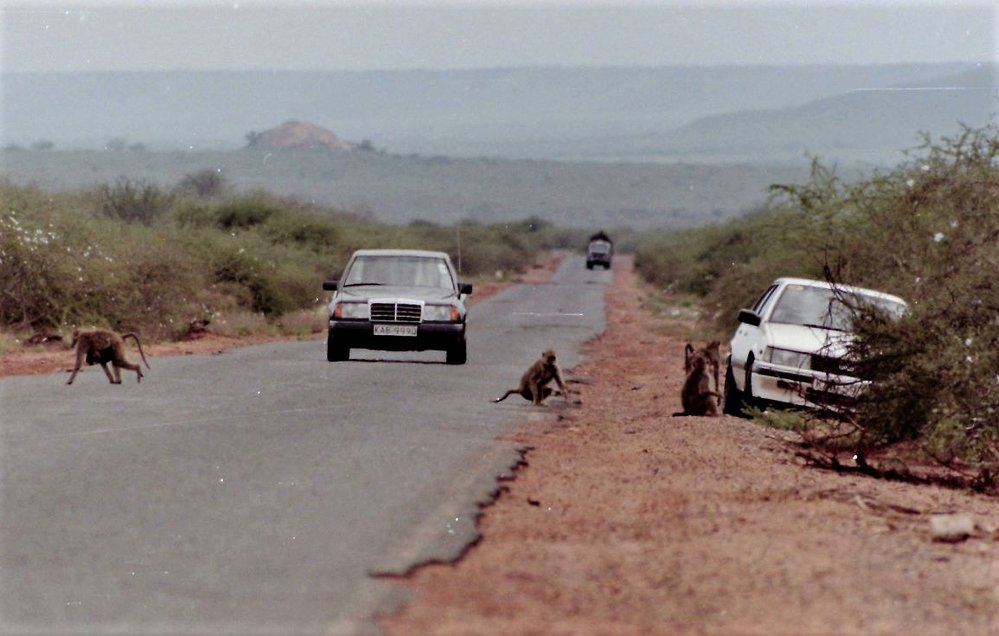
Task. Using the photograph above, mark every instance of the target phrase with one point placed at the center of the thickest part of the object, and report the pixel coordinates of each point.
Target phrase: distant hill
(643, 147)
(872, 124)
(541, 113)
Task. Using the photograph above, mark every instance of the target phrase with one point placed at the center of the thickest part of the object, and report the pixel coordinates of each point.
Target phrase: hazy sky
(44, 35)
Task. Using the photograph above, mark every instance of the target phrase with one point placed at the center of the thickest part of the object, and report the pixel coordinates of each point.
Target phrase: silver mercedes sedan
(398, 300)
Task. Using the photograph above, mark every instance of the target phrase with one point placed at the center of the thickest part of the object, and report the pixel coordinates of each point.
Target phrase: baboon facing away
(103, 346)
(534, 383)
(697, 396)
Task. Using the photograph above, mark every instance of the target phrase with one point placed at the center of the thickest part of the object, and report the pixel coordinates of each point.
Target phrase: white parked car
(790, 345)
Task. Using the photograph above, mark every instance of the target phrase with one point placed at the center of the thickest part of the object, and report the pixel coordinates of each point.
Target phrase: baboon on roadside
(533, 384)
(103, 346)
(713, 352)
(696, 395)
(197, 328)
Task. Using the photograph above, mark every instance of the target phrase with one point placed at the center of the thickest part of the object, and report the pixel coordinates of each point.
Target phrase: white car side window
(762, 300)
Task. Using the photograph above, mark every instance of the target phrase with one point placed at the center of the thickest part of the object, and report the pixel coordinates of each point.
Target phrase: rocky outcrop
(297, 134)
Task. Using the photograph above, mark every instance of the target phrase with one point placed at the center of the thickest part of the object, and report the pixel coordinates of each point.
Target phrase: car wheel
(336, 352)
(734, 402)
(457, 354)
(589, 265)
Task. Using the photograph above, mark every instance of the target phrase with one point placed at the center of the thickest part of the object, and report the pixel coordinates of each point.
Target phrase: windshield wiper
(363, 284)
(827, 327)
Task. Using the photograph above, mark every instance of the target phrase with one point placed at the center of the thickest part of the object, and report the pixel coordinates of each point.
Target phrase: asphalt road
(257, 490)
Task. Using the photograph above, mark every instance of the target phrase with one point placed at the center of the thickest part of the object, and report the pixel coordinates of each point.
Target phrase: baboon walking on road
(533, 384)
(103, 346)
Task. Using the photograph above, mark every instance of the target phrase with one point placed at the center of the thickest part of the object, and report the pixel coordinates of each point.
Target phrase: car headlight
(441, 313)
(352, 311)
(787, 358)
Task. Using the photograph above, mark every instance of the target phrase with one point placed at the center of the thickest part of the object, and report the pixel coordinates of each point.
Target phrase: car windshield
(824, 307)
(401, 271)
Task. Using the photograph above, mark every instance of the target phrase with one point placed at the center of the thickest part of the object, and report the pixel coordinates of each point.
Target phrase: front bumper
(429, 336)
(805, 387)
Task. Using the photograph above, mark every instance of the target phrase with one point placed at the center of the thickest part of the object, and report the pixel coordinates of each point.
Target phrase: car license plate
(395, 330)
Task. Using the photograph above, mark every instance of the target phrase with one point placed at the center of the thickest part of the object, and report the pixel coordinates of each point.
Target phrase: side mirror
(749, 317)
(329, 285)
(465, 288)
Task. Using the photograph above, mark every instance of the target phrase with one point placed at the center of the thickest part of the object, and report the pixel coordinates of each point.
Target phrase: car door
(748, 335)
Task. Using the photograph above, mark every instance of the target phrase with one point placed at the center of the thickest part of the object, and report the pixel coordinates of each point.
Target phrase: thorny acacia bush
(927, 231)
(130, 200)
(70, 260)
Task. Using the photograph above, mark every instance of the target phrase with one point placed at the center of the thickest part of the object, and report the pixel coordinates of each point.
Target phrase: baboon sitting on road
(696, 395)
(103, 346)
(534, 382)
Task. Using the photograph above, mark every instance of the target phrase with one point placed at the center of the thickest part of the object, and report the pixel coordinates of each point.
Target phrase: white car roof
(787, 280)
(394, 252)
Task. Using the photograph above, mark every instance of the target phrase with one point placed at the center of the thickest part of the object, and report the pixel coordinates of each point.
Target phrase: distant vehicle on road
(398, 300)
(599, 251)
(790, 347)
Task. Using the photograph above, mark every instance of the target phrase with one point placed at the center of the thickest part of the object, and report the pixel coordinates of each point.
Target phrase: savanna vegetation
(928, 231)
(443, 190)
(139, 256)
(133, 255)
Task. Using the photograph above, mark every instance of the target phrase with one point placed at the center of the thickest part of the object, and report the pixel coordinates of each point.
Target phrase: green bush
(931, 232)
(317, 233)
(203, 184)
(246, 212)
(194, 215)
(728, 265)
(61, 267)
(33, 273)
(77, 259)
(132, 201)
(149, 286)
(270, 280)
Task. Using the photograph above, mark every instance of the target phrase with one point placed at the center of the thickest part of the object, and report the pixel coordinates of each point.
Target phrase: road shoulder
(626, 520)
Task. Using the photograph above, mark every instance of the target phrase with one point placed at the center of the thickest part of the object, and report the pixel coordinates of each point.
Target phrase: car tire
(733, 400)
(457, 354)
(589, 265)
(336, 352)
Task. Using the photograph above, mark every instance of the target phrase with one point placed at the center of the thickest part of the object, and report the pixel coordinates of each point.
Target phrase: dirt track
(628, 521)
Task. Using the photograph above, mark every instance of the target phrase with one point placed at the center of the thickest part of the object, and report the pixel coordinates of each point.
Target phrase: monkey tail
(681, 414)
(132, 335)
(506, 395)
